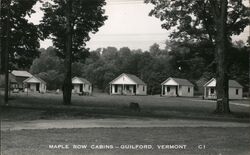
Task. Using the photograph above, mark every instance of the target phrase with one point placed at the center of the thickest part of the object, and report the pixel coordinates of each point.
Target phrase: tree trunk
(221, 75)
(249, 67)
(6, 54)
(67, 85)
(1, 47)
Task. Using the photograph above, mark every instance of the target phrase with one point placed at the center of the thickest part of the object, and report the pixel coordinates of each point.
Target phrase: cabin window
(168, 89)
(237, 91)
(143, 88)
(116, 88)
(127, 87)
(212, 90)
(189, 89)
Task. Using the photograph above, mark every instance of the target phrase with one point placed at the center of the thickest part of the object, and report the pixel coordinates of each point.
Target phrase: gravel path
(114, 123)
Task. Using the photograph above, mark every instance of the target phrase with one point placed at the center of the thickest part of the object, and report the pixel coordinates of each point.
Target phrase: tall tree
(213, 20)
(248, 49)
(19, 38)
(1, 52)
(68, 55)
(68, 23)
(220, 14)
(6, 51)
(155, 49)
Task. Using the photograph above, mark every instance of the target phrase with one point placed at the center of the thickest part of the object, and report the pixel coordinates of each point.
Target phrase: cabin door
(176, 91)
(134, 89)
(116, 88)
(37, 86)
(81, 86)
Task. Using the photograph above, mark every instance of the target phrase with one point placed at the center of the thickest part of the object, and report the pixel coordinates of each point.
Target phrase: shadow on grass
(51, 107)
(15, 113)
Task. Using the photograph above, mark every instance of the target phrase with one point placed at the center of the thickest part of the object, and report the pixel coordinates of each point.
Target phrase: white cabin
(127, 84)
(177, 87)
(35, 84)
(81, 86)
(235, 89)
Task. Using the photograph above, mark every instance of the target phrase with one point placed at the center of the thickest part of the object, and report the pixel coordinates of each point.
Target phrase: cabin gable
(123, 80)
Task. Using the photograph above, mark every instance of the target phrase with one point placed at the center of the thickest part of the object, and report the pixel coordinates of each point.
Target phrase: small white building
(35, 84)
(81, 86)
(235, 89)
(127, 84)
(177, 87)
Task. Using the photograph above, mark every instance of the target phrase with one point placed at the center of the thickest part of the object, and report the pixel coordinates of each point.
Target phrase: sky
(128, 25)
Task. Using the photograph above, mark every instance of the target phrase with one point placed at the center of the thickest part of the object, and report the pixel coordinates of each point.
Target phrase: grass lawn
(217, 140)
(49, 106)
(224, 141)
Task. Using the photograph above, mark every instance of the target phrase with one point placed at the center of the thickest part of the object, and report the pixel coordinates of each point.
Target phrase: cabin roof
(21, 73)
(231, 83)
(132, 77)
(83, 80)
(35, 77)
(180, 81)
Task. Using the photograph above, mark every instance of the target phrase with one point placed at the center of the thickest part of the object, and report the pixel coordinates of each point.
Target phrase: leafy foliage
(202, 20)
(49, 67)
(87, 16)
(194, 62)
(193, 19)
(24, 35)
